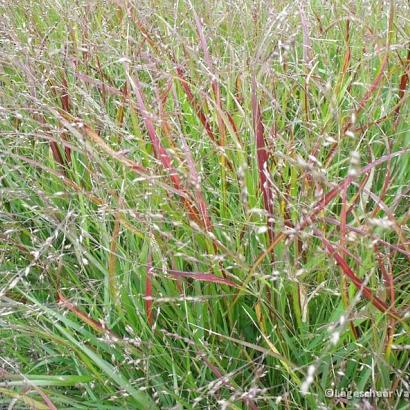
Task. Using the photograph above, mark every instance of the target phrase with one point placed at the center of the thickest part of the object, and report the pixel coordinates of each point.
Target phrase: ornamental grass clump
(204, 205)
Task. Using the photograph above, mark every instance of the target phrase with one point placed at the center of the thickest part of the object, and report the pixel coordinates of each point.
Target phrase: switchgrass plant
(204, 204)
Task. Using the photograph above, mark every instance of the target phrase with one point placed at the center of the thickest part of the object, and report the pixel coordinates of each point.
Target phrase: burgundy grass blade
(203, 277)
(47, 400)
(405, 77)
(180, 73)
(161, 153)
(200, 199)
(365, 233)
(386, 182)
(329, 196)
(84, 316)
(373, 87)
(38, 116)
(162, 98)
(65, 103)
(166, 92)
(121, 109)
(202, 39)
(56, 153)
(367, 293)
(100, 71)
(390, 295)
(265, 182)
(403, 85)
(65, 100)
(95, 137)
(343, 218)
(196, 182)
(195, 104)
(343, 250)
